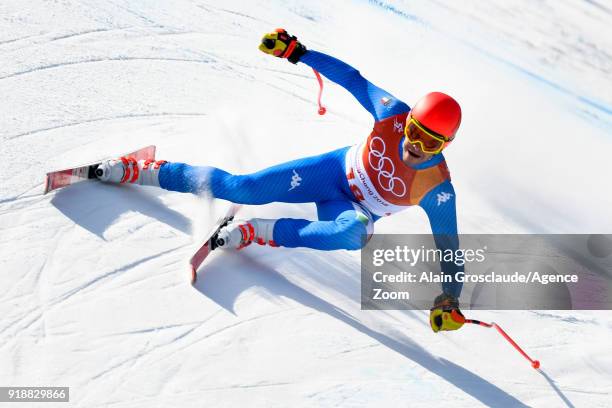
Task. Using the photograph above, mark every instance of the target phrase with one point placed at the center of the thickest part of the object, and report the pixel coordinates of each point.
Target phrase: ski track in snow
(90, 285)
(116, 117)
(93, 61)
(48, 38)
(95, 277)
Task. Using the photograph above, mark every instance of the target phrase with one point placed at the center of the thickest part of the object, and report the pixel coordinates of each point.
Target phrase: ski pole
(322, 109)
(534, 363)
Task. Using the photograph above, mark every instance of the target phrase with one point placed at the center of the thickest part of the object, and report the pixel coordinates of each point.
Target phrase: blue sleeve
(369, 95)
(439, 204)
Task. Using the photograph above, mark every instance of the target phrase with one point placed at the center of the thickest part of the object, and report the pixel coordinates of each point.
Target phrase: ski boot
(241, 233)
(128, 170)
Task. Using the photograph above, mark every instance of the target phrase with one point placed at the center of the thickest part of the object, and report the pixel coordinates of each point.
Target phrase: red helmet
(439, 113)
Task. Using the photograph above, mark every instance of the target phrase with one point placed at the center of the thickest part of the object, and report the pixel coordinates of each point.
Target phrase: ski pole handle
(534, 363)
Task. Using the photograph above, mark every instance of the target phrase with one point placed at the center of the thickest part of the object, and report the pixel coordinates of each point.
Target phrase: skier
(400, 164)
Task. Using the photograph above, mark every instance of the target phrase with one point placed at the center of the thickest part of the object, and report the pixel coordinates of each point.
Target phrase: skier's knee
(353, 231)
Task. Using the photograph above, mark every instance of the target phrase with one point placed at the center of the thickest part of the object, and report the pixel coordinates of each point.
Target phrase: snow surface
(96, 292)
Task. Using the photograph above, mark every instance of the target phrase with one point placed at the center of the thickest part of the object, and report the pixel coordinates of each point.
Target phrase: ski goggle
(430, 142)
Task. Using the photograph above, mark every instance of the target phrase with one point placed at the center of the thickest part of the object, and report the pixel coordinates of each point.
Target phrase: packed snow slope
(95, 289)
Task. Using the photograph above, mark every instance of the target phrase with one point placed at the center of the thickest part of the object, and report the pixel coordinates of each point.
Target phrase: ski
(210, 242)
(62, 178)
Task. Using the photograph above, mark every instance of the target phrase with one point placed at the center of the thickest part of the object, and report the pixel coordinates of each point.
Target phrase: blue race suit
(343, 219)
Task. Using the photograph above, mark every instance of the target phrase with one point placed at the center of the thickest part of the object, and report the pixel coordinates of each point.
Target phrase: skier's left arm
(440, 206)
(380, 103)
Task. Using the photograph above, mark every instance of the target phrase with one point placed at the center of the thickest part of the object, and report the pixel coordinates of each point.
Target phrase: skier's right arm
(375, 100)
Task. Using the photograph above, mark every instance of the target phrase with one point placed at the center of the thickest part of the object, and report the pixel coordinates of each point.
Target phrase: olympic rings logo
(385, 168)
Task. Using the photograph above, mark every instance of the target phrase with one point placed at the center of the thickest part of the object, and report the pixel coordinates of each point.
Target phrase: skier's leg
(341, 225)
(310, 179)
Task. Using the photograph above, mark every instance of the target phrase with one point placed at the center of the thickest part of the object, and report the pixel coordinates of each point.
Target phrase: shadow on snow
(225, 277)
(96, 206)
